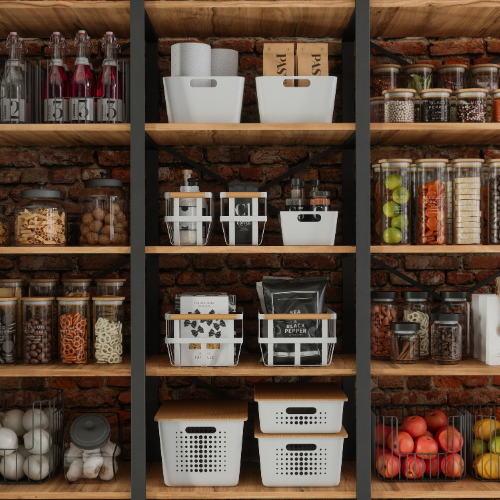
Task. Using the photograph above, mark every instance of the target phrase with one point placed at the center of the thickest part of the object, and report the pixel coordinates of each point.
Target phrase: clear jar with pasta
(452, 76)
(484, 76)
(384, 77)
(110, 287)
(8, 330)
(471, 106)
(74, 334)
(457, 302)
(76, 287)
(5, 228)
(38, 330)
(377, 109)
(108, 330)
(399, 106)
(417, 309)
(418, 76)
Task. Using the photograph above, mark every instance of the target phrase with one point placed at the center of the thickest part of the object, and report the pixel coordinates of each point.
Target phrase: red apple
(381, 433)
(379, 450)
(435, 419)
(425, 445)
(452, 465)
(400, 443)
(388, 465)
(430, 434)
(449, 439)
(432, 466)
(412, 467)
(415, 426)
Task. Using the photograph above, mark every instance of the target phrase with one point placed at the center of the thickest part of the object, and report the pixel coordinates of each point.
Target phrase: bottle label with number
(55, 110)
(109, 110)
(13, 110)
(82, 109)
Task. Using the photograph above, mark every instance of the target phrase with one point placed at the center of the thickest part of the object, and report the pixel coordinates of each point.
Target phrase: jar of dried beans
(377, 109)
(109, 286)
(399, 106)
(452, 76)
(471, 106)
(40, 218)
(104, 213)
(418, 76)
(484, 76)
(495, 106)
(431, 202)
(384, 311)
(457, 302)
(493, 210)
(405, 343)
(417, 309)
(435, 106)
(446, 338)
(384, 77)
(5, 228)
(76, 287)
(108, 329)
(74, 333)
(38, 333)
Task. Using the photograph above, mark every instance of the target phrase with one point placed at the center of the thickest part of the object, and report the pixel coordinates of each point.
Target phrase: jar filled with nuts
(37, 330)
(76, 287)
(104, 213)
(40, 218)
(446, 335)
(5, 229)
(458, 303)
(109, 287)
(384, 311)
(73, 320)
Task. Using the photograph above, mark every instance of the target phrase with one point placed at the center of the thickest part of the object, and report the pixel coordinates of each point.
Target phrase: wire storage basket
(402, 451)
(312, 346)
(33, 421)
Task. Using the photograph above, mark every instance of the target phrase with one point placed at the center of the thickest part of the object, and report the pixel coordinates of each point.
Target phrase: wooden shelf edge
(249, 249)
(426, 249)
(102, 250)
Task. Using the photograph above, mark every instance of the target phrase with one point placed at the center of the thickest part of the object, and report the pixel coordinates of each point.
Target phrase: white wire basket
(210, 350)
(305, 408)
(300, 460)
(189, 230)
(323, 344)
(308, 228)
(250, 215)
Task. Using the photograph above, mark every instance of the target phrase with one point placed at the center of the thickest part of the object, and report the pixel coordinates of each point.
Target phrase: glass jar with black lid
(446, 335)
(384, 311)
(457, 302)
(417, 309)
(405, 342)
(297, 200)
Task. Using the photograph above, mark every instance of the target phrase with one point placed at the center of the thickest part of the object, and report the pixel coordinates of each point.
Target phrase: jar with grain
(471, 106)
(485, 76)
(8, 330)
(399, 106)
(76, 287)
(417, 309)
(405, 343)
(446, 337)
(418, 76)
(384, 77)
(453, 76)
(110, 286)
(104, 213)
(38, 333)
(377, 109)
(458, 303)
(384, 311)
(108, 329)
(5, 229)
(74, 333)
(435, 106)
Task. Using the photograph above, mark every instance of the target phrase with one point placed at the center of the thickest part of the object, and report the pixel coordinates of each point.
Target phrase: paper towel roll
(192, 59)
(224, 62)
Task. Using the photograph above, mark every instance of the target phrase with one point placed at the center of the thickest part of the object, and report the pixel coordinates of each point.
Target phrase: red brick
(64, 176)
(250, 63)
(167, 279)
(459, 278)
(450, 47)
(92, 173)
(331, 175)
(192, 154)
(224, 277)
(122, 175)
(276, 156)
(253, 261)
(113, 158)
(388, 261)
(165, 395)
(6, 263)
(97, 262)
(4, 194)
(482, 261)
(496, 380)
(227, 155)
(251, 381)
(475, 381)
(62, 382)
(229, 382)
(9, 176)
(17, 159)
(9, 383)
(32, 175)
(172, 262)
(410, 48)
(89, 399)
(90, 382)
(163, 174)
(396, 280)
(419, 382)
(189, 278)
(66, 157)
(431, 278)
(395, 382)
(476, 396)
(274, 172)
(37, 263)
(165, 46)
(118, 382)
(208, 261)
(447, 381)
(228, 172)
(125, 398)
(428, 397)
(238, 44)
(251, 173)
(431, 262)
(493, 45)
(379, 398)
(304, 261)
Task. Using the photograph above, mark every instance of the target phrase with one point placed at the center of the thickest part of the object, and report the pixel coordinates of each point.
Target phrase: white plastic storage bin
(308, 228)
(304, 408)
(230, 222)
(190, 427)
(199, 225)
(300, 460)
(187, 103)
(280, 104)
(204, 351)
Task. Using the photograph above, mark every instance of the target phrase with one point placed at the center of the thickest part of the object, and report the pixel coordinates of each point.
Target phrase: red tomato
(388, 465)
(381, 434)
(431, 466)
(412, 467)
(452, 465)
(400, 443)
(427, 433)
(425, 445)
(449, 439)
(415, 426)
(435, 419)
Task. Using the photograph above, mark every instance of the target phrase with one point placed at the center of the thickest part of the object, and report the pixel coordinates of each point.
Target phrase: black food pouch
(296, 296)
(243, 207)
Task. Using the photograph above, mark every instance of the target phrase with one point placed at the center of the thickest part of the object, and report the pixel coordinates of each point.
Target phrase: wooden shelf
(68, 134)
(37, 19)
(60, 370)
(46, 249)
(249, 365)
(57, 488)
(426, 249)
(249, 249)
(429, 368)
(249, 487)
(420, 134)
(256, 18)
(243, 134)
(434, 18)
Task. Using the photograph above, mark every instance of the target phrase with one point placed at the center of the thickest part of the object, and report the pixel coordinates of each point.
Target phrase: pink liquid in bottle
(56, 102)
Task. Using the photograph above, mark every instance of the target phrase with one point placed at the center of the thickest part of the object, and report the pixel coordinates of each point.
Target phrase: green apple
(494, 445)
(478, 447)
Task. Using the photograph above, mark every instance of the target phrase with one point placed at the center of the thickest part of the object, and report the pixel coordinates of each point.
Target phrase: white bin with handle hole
(201, 441)
(300, 460)
(189, 104)
(308, 228)
(303, 408)
(280, 104)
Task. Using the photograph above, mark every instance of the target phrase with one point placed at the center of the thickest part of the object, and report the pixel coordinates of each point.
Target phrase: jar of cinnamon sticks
(405, 342)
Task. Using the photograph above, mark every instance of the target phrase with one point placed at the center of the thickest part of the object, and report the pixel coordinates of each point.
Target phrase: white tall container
(188, 426)
(224, 62)
(192, 59)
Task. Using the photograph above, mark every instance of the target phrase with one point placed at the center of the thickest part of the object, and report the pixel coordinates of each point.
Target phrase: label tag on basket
(279, 61)
(312, 60)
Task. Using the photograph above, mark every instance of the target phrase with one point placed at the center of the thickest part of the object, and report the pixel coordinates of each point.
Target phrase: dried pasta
(108, 341)
(423, 319)
(43, 226)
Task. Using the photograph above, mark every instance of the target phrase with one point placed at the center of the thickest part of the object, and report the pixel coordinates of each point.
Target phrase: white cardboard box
(492, 343)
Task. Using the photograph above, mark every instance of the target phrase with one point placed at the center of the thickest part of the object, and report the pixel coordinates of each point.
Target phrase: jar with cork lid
(76, 287)
(38, 332)
(109, 286)
(108, 329)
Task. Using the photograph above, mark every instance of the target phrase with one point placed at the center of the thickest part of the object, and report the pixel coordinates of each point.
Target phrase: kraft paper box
(279, 60)
(311, 60)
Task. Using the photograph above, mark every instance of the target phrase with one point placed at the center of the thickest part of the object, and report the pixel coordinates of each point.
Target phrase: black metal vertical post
(363, 379)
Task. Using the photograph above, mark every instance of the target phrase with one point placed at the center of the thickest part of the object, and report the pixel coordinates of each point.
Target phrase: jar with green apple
(395, 217)
(376, 204)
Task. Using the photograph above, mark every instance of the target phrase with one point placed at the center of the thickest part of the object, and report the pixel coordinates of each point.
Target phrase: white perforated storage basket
(201, 441)
(300, 460)
(303, 408)
(308, 228)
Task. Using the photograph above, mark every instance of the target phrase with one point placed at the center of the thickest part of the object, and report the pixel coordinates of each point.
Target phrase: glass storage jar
(74, 334)
(405, 342)
(467, 216)
(446, 334)
(413, 203)
(457, 302)
(108, 329)
(93, 436)
(399, 106)
(484, 201)
(76, 287)
(40, 218)
(377, 109)
(493, 204)
(435, 106)
(73, 228)
(417, 109)
(5, 228)
(38, 333)
(452, 76)
(104, 213)
(471, 106)
(376, 203)
(495, 106)
(110, 286)
(384, 310)
(449, 204)
(395, 217)
(319, 201)
(453, 109)
(8, 330)
(10, 287)
(384, 77)
(489, 109)
(431, 201)
(484, 76)
(417, 309)
(418, 76)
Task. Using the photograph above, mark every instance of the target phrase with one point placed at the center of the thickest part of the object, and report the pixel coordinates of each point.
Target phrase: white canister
(192, 59)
